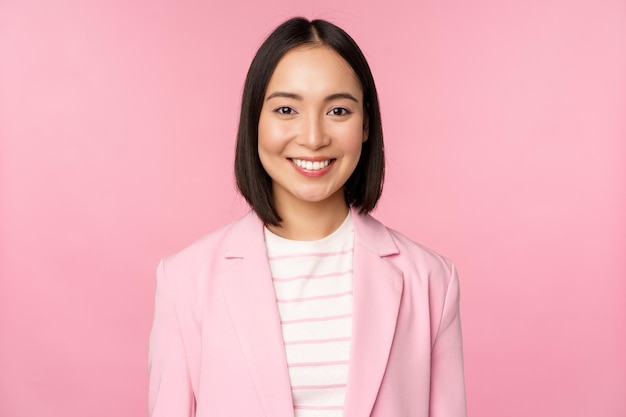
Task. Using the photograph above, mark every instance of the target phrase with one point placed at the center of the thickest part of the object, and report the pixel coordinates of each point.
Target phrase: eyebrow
(300, 98)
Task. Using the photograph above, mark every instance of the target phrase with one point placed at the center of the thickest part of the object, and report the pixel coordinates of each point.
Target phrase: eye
(285, 110)
(339, 111)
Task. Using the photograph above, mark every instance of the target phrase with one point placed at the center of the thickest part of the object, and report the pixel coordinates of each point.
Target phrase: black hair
(364, 187)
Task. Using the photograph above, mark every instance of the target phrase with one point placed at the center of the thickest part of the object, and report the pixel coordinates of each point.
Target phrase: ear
(366, 128)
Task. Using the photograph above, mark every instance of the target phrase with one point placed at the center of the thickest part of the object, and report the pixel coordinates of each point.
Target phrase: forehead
(313, 67)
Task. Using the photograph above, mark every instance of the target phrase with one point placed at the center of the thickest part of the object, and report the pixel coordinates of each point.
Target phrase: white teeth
(311, 166)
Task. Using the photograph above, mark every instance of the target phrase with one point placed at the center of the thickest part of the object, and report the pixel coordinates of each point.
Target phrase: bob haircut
(364, 187)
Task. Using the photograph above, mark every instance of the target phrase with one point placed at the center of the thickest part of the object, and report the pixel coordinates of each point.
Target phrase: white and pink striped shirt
(313, 285)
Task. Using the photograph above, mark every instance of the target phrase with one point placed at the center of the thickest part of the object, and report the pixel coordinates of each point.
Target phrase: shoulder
(420, 255)
(412, 258)
(207, 245)
(209, 249)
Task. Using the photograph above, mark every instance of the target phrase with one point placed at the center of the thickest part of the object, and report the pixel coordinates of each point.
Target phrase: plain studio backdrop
(505, 129)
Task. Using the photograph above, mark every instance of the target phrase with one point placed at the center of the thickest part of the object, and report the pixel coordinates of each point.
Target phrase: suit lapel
(377, 293)
(251, 301)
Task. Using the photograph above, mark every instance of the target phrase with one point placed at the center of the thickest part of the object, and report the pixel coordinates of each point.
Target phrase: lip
(313, 158)
(313, 174)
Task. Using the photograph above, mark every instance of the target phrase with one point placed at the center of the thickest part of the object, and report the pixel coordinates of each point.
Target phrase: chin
(319, 198)
(313, 199)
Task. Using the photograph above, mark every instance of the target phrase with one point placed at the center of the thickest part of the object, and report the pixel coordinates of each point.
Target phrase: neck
(311, 221)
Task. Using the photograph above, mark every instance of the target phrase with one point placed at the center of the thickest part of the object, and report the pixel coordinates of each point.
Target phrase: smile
(311, 165)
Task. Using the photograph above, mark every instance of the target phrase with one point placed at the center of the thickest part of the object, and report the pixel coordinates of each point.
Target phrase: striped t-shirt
(313, 285)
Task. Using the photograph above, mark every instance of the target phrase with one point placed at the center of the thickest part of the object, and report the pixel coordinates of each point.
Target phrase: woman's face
(311, 128)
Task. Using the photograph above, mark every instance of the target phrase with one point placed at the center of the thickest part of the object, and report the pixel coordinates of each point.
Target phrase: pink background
(506, 138)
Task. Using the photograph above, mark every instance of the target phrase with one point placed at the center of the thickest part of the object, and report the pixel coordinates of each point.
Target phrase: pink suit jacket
(216, 346)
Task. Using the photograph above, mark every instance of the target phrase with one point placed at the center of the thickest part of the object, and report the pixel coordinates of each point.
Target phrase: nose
(314, 135)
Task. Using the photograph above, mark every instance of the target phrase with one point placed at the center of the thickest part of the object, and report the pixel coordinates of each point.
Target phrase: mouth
(312, 165)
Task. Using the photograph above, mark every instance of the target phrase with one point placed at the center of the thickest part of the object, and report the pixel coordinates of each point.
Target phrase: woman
(307, 306)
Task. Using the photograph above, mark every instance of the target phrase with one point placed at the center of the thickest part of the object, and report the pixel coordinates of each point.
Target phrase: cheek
(262, 131)
(270, 145)
(266, 139)
(352, 136)
(271, 135)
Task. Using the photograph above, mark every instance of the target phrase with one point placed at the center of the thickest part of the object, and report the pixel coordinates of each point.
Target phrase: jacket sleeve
(170, 389)
(447, 395)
